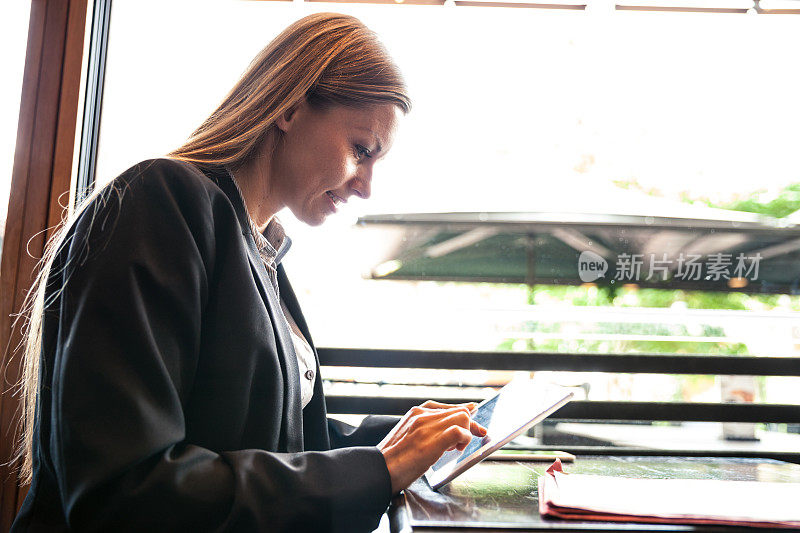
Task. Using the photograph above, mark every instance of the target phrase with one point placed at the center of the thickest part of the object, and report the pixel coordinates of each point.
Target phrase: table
(503, 496)
(676, 440)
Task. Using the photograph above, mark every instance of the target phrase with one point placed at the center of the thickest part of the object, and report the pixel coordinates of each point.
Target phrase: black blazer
(169, 387)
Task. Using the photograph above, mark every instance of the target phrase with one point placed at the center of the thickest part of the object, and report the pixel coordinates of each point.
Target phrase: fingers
(454, 430)
(477, 429)
(423, 415)
(432, 404)
(434, 408)
(420, 438)
(457, 430)
(456, 437)
(432, 422)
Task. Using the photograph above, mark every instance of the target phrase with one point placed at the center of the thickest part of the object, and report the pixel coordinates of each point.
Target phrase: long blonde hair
(325, 58)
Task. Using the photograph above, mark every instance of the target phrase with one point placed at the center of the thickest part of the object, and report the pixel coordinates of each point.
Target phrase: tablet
(514, 409)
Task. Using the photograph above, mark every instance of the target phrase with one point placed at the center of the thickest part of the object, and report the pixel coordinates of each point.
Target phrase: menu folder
(668, 501)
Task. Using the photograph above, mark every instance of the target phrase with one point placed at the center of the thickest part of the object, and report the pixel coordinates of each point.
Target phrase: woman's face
(325, 157)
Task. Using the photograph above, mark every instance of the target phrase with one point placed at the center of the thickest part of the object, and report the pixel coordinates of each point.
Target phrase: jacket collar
(292, 428)
(222, 178)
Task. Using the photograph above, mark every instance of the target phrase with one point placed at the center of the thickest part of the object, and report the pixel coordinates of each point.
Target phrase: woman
(165, 345)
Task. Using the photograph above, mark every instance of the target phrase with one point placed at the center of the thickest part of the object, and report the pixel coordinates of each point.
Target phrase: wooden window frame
(41, 179)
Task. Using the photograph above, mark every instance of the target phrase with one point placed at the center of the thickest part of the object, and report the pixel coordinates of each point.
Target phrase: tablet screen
(515, 408)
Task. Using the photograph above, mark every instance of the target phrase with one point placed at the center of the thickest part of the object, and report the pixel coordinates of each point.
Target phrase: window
(570, 115)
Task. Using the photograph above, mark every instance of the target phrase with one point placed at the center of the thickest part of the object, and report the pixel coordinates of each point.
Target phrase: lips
(336, 199)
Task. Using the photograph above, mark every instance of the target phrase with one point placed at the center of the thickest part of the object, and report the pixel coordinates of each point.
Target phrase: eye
(361, 152)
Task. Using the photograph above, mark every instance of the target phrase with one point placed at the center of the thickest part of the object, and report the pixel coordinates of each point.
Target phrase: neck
(255, 180)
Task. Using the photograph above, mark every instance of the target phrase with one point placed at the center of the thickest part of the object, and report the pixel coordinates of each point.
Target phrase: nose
(362, 184)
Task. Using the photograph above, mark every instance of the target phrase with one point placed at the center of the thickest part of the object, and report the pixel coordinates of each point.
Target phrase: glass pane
(598, 127)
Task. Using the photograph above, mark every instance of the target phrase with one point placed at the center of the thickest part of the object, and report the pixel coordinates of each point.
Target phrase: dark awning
(742, 253)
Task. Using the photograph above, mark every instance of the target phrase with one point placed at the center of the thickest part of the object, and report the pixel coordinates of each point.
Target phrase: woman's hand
(423, 435)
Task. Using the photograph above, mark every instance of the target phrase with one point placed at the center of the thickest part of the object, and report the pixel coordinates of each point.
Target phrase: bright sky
(513, 107)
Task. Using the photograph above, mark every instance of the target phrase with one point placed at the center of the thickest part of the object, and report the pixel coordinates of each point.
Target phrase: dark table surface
(503, 495)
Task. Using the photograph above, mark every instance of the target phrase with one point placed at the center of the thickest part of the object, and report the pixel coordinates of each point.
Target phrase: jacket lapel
(315, 415)
(292, 429)
(293, 306)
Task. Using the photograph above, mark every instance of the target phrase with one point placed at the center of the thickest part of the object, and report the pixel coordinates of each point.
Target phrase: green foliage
(591, 295)
(785, 202)
(574, 295)
(506, 346)
(763, 202)
(691, 386)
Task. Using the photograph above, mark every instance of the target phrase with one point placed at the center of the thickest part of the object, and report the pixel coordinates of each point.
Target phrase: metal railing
(628, 411)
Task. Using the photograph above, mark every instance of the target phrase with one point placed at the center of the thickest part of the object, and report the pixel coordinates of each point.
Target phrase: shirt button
(309, 375)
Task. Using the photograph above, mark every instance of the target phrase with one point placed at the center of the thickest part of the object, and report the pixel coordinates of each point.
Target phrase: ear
(287, 119)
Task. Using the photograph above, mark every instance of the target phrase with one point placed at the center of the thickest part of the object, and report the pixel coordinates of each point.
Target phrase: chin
(314, 220)
(310, 219)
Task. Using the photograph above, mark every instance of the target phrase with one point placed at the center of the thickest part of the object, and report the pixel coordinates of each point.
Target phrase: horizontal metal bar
(752, 288)
(539, 336)
(495, 3)
(683, 9)
(681, 411)
(532, 222)
(792, 457)
(624, 363)
(588, 410)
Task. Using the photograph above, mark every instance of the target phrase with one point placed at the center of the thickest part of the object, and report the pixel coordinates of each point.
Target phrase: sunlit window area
(536, 134)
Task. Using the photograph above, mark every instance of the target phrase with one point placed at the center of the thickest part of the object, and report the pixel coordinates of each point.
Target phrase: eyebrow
(377, 141)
